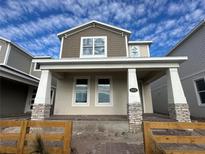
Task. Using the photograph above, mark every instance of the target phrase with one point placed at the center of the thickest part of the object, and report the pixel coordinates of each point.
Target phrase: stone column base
(179, 112)
(135, 117)
(40, 111)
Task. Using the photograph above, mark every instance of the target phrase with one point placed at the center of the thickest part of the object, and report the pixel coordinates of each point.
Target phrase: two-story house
(18, 79)
(191, 72)
(101, 72)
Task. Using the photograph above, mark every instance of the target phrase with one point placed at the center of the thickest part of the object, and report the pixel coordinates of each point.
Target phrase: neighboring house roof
(17, 75)
(195, 29)
(139, 42)
(92, 22)
(16, 45)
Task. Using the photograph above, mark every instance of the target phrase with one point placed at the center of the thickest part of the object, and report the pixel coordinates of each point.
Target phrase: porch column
(134, 102)
(41, 106)
(177, 103)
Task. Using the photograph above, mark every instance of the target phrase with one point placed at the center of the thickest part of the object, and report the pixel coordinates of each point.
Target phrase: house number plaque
(133, 90)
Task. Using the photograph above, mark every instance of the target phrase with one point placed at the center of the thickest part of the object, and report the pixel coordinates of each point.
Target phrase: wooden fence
(152, 142)
(24, 136)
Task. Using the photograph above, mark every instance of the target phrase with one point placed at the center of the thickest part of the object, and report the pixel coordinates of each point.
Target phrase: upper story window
(134, 51)
(92, 47)
(200, 87)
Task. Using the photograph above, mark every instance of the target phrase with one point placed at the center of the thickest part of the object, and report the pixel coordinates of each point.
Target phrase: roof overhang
(110, 63)
(13, 74)
(140, 42)
(195, 29)
(92, 22)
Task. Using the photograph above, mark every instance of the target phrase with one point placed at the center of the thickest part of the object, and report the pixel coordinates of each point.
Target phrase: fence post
(147, 138)
(67, 137)
(20, 145)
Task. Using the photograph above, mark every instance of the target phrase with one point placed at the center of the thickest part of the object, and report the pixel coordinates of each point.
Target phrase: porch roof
(109, 63)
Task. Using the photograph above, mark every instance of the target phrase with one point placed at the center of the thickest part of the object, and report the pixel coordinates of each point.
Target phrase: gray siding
(19, 60)
(35, 73)
(115, 43)
(3, 49)
(12, 97)
(194, 48)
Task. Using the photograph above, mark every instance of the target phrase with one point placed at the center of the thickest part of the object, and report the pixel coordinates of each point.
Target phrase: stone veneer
(40, 111)
(180, 112)
(134, 117)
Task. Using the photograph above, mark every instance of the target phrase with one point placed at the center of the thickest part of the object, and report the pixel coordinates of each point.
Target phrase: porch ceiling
(144, 74)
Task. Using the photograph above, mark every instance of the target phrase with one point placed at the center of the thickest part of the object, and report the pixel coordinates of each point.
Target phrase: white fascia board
(19, 72)
(42, 57)
(140, 42)
(93, 21)
(112, 60)
(18, 76)
(107, 66)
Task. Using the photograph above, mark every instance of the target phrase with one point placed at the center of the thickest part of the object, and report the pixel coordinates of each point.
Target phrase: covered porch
(130, 91)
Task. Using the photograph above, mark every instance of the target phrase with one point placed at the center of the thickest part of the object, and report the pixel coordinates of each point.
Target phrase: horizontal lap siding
(19, 60)
(115, 43)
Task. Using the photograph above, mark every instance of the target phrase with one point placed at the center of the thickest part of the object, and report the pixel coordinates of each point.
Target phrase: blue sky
(33, 24)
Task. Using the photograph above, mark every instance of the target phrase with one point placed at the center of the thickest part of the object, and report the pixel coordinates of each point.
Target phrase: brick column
(177, 103)
(41, 107)
(134, 102)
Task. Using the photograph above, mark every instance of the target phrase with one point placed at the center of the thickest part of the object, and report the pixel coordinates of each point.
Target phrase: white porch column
(177, 103)
(41, 107)
(147, 98)
(134, 102)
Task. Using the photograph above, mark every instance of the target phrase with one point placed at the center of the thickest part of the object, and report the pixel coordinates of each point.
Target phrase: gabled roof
(16, 45)
(93, 22)
(195, 29)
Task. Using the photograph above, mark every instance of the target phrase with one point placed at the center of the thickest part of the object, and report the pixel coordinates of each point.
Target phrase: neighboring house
(192, 73)
(101, 72)
(18, 79)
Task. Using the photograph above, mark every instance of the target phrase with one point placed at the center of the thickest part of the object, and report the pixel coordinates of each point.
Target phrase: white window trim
(74, 92)
(93, 56)
(196, 91)
(38, 70)
(138, 50)
(105, 104)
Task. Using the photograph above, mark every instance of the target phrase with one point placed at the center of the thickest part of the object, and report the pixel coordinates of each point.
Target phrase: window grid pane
(103, 90)
(200, 84)
(81, 90)
(202, 97)
(93, 46)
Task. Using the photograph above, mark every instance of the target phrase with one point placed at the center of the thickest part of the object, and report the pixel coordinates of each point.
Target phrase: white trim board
(6, 57)
(196, 91)
(97, 104)
(94, 22)
(93, 55)
(74, 104)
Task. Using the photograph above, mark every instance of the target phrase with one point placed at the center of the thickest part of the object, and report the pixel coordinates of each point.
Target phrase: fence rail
(24, 136)
(152, 142)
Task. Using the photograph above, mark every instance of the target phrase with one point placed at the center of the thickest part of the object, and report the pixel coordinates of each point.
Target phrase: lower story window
(81, 91)
(200, 87)
(104, 92)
